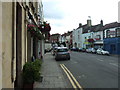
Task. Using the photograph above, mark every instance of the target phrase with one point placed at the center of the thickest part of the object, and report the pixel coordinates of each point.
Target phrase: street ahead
(92, 70)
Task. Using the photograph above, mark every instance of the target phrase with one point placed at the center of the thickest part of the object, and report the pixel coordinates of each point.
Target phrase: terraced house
(18, 43)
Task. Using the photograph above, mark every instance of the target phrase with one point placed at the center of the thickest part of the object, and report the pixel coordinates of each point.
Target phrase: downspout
(1, 46)
(12, 62)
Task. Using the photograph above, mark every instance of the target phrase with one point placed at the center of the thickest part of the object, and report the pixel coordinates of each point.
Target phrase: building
(18, 43)
(54, 37)
(112, 37)
(97, 32)
(68, 39)
(77, 37)
(87, 36)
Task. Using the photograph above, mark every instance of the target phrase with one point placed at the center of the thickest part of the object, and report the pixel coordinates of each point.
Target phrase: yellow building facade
(15, 40)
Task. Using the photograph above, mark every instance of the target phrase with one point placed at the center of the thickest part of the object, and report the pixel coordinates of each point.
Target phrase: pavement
(53, 75)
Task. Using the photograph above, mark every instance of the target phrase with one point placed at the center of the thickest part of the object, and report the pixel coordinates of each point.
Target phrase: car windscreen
(62, 50)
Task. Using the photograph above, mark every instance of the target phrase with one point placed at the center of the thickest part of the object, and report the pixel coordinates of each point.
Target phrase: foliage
(45, 27)
(35, 31)
(31, 71)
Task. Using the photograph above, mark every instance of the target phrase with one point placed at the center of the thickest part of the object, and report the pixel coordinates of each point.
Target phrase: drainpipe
(12, 61)
(1, 46)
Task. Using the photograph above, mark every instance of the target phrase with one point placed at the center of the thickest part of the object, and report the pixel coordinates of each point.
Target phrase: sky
(65, 15)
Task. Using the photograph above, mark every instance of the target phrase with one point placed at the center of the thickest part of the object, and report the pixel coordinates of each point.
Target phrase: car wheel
(102, 53)
(68, 58)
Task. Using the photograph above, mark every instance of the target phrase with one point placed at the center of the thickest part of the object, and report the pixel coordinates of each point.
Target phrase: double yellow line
(72, 79)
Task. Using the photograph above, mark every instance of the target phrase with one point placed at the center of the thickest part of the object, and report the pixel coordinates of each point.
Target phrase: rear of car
(62, 53)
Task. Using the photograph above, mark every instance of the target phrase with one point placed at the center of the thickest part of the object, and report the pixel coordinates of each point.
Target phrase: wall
(77, 37)
(99, 33)
(112, 41)
(7, 45)
(84, 42)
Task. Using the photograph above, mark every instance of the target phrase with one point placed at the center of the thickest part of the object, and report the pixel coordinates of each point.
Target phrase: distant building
(112, 37)
(86, 36)
(54, 38)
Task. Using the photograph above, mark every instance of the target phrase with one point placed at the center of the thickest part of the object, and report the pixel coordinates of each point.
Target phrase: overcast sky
(65, 15)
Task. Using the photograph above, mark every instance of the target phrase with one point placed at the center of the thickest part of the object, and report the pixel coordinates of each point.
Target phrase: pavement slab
(53, 76)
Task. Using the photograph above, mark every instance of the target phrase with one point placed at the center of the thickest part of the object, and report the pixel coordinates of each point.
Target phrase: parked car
(93, 50)
(103, 52)
(74, 49)
(89, 50)
(62, 53)
(83, 50)
(80, 50)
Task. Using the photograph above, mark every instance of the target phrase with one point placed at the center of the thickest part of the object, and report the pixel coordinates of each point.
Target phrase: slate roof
(111, 25)
(97, 28)
(85, 28)
(94, 28)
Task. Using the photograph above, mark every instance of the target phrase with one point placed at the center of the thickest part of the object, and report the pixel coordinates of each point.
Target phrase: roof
(94, 28)
(97, 28)
(57, 34)
(111, 25)
(85, 28)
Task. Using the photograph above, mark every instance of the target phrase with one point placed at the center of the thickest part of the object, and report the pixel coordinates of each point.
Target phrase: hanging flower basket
(45, 27)
(39, 35)
(32, 29)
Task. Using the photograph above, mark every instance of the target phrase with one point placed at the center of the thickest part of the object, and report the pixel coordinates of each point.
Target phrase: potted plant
(31, 73)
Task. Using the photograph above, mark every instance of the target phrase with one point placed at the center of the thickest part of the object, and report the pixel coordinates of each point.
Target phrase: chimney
(89, 22)
(101, 22)
(80, 24)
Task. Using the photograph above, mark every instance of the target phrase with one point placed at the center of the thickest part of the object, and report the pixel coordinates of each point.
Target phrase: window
(62, 50)
(89, 37)
(78, 37)
(111, 33)
(118, 32)
(107, 33)
(98, 37)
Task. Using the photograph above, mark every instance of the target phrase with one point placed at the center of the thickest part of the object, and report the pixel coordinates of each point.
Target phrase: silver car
(62, 53)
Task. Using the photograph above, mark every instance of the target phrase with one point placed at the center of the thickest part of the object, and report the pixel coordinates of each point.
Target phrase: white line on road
(114, 64)
(100, 60)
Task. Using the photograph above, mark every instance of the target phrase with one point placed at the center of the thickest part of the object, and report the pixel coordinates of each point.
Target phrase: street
(92, 70)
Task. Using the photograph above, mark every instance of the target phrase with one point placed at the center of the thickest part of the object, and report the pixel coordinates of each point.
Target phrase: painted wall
(77, 37)
(84, 41)
(6, 45)
(112, 45)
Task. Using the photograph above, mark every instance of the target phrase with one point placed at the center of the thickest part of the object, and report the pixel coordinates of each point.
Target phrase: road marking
(74, 86)
(75, 62)
(68, 72)
(82, 76)
(100, 60)
(114, 64)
